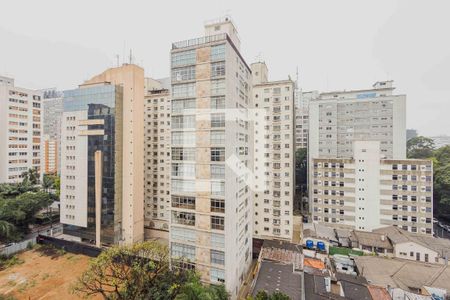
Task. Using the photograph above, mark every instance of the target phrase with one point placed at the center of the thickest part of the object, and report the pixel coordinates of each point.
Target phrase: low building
(410, 276)
(416, 247)
(371, 242)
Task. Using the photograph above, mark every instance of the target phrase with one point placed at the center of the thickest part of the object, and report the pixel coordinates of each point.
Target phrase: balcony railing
(199, 41)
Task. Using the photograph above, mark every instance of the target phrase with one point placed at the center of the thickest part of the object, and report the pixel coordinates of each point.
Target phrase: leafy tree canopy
(420, 147)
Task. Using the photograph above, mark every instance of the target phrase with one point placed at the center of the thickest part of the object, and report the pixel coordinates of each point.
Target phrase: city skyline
(366, 43)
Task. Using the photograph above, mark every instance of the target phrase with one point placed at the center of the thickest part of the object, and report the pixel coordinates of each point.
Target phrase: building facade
(102, 197)
(157, 160)
(211, 200)
(367, 192)
(20, 130)
(336, 119)
(52, 114)
(274, 154)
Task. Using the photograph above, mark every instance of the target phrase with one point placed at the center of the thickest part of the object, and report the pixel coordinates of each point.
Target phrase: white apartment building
(211, 211)
(302, 118)
(367, 191)
(20, 130)
(274, 155)
(157, 159)
(336, 119)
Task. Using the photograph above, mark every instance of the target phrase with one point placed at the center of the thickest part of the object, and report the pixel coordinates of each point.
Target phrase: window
(183, 138)
(182, 250)
(218, 171)
(217, 69)
(183, 153)
(186, 73)
(218, 102)
(181, 105)
(218, 52)
(217, 240)
(217, 222)
(183, 202)
(183, 218)
(218, 188)
(218, 154)
(182, 169)
(183, 90)
(217, 87)
(183, 234)
(218, 205)
(217, 137)
(217, 257)
(217, 275)
(182, 122)
(218, 120)
(184, 58)
(186, 186)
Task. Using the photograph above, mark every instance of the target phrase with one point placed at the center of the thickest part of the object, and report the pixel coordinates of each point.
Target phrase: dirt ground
(44, 274)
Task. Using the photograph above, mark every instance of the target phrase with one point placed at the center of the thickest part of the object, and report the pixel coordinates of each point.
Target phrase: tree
(6, 230)
(263, 295)
(420, 147)
(195, 290)
(31, 176)
(139, 271)
(442, 185)
(20, 211)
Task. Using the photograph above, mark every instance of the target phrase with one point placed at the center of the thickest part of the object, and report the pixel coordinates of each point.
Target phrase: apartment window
(183, 186)
(218, 188)
(183, 218)
(183, 153)
(184, 58)
(217, 240)
(217, 171)
(183, 138)
(183, 250)
(217, 222)
(183, 90)
(218, 102)
(218, 120)
(182, 122)
(217, 87)
(218, 205)
(186, 73)
(218, 154)
(181, 169)
(217, 137)
(179, 106)
(183, 234)
(218, 69)
(218, 52)
(217, 257)
(217, 275)
(183, 202)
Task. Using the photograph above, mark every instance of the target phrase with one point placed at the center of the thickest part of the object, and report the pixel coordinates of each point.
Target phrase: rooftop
(404, 274)
(274, 276)
(372, 239)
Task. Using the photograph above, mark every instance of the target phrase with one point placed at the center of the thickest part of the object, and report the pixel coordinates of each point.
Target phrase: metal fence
(17, 247)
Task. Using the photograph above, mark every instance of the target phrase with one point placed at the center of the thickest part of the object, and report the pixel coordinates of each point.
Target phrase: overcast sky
(335, 44)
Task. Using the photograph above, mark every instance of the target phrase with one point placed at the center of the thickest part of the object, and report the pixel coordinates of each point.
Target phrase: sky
(336, 45)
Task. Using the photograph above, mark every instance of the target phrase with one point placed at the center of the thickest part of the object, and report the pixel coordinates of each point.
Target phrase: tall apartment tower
(157, 158)
(274, 155)
(211, 209)
(102, 168)
(336, 119)
(20, 130)
(52, 108)
(302, 118)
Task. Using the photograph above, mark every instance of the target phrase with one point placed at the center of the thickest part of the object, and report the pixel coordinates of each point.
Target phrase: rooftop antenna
(258, 58)
(131, 56)
(117, 58)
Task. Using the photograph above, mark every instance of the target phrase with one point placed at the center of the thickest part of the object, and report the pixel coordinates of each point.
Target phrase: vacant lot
(44, 274)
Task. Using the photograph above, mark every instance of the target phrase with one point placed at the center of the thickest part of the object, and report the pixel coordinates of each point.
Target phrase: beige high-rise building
(102, 165)
(52, 107)
(274, 155)
(157, 159)
(211, 199)
(20, 130)
(50, 155)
